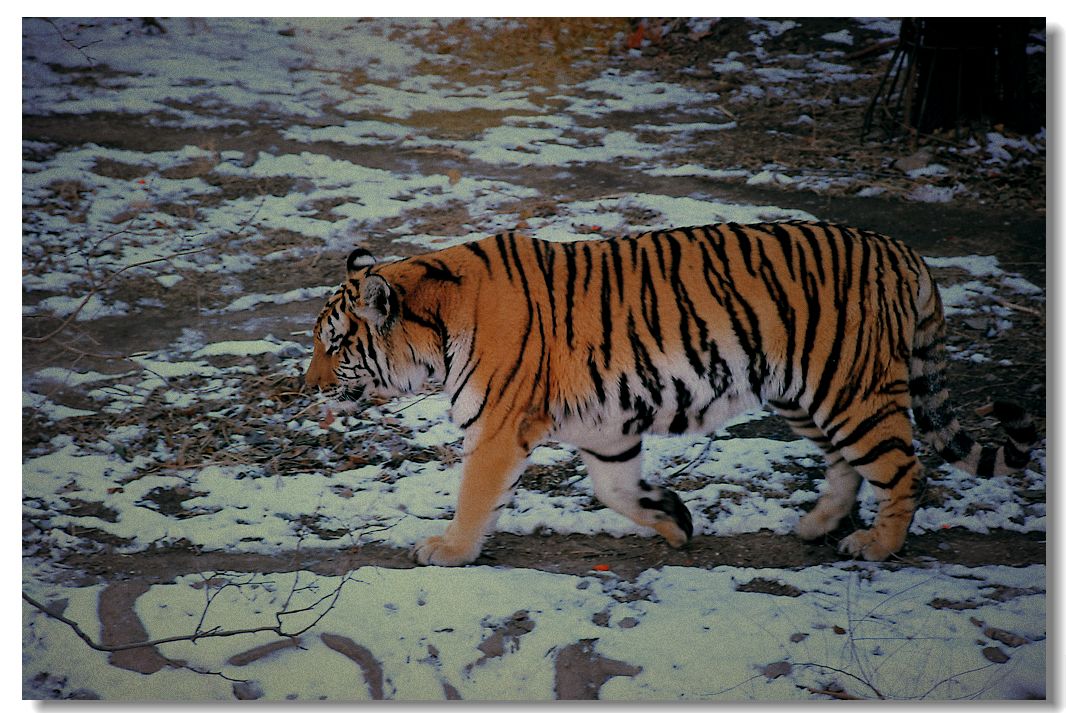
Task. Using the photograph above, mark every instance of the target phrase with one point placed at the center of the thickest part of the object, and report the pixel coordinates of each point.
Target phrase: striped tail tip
(987, 461)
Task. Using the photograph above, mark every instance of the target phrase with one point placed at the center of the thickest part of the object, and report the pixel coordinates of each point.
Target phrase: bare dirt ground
(1005, 218)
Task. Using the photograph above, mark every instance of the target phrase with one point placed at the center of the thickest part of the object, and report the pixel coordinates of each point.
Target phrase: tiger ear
(376, 302)
(357, 259)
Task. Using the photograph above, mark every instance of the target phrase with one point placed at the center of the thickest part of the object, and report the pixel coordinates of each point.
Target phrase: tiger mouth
(349, 395)
(343, 401)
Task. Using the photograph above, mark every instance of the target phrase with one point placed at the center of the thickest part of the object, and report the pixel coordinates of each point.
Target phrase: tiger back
(596, 343)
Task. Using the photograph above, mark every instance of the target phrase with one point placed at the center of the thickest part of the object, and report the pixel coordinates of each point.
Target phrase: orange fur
(597, 342)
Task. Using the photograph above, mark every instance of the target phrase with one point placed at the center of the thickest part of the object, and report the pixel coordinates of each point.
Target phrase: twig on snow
(198, 635)
(79, 48)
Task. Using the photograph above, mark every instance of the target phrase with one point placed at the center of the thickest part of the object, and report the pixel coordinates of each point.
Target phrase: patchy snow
(51, 411)
(843, 37)
(184, 220)
(926, 193)
(248, 347)
(690, 169)
(251, 301)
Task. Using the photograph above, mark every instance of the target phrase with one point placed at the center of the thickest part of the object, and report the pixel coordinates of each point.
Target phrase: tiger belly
(682, 406)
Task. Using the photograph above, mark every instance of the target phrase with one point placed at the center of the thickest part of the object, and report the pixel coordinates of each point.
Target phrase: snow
(689, 169)
(246, 348)
(424, 626)
(935, 194)
(840, 36)
(857, 627)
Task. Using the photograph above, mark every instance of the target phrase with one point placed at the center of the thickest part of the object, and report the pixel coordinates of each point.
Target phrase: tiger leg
(880, 448)
(841, 480)
(618, 485)
(491, 471)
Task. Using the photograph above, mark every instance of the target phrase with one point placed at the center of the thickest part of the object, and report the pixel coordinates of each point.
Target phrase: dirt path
(626, 557)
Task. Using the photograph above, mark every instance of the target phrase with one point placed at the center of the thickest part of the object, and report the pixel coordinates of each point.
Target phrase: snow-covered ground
(477, 632)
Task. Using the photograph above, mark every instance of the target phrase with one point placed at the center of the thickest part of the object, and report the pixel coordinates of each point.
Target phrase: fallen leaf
(1006, 637)
(777, 669)
(636, 37)
(995, 654)
(327, 420)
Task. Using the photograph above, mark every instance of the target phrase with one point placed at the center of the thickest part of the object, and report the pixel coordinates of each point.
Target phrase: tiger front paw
(867, 545)
(441, 551)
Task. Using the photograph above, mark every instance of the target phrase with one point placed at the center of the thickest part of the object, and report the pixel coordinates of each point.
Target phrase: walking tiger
(596, 343)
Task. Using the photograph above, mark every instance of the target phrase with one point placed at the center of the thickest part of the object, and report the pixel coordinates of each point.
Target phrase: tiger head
(361, 344)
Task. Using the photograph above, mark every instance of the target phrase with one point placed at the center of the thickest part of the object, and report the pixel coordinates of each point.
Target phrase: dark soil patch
(625, 557)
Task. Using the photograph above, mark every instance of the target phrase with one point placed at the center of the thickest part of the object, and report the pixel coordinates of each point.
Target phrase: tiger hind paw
(675, 523)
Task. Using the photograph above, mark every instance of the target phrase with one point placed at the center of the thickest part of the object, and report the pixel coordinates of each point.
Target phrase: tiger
(595, 343)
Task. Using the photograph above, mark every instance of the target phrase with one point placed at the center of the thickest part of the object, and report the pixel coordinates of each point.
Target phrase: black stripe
(986, 463)
(740, 239)
(509, 380)
(642, 363)
(544, 255)
(462, 384)
(649, 302)
(960, 446)
(883, 448)
(605, 311)
(787, 314)
(831, 366)
(785, 240)
(1008, 412)
(863, 427)
(439, 271)
(686, 308)
(587, 252)
(571, 284)
(616, 260)
(749, 336)
(481, 408)
(929, 421)
(1013, 457)
(626, 455)
(597, 380)
(623, 392)
(898, 476)
(502, 247)
(1025, 435)
(644, 416)
(679, 424)
(477, 250)
(814, 243)
(920, 386)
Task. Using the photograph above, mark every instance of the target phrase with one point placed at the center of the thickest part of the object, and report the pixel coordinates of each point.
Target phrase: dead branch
(845, 673)
(146, 644)
(839, 695)
(79, 48)
(73, 315)
(96, 288)
(216, 633)
(1015, 306)
(872, 48)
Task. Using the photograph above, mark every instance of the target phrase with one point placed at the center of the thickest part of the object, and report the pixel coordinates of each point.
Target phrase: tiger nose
(320, 372)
